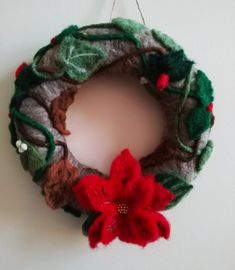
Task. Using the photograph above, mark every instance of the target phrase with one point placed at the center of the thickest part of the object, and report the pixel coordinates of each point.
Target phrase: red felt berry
(162, 82)
(53, 40)
(210, 107)
(19, 69)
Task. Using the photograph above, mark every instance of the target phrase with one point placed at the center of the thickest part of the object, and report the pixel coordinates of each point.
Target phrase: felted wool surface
(46, 87)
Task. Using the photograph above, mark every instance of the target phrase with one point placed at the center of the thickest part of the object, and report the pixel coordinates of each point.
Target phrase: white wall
(203, 225)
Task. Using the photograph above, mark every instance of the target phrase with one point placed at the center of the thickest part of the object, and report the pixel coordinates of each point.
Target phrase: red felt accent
(19, 69)
(53, 40)
(141, 196)
(163, 226)
(103, 230)
(139, 227)
(124, 168)
(163, 82)
(210, 107)
(94, 193)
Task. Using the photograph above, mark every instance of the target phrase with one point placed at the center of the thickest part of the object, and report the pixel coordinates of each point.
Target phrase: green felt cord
(29, 121)
(186, 94)
(51, 143)
(12, 130)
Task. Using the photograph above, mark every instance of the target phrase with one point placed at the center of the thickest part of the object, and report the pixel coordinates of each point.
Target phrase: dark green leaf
(174, 64)
(86, 225)
(72, 211)
(204, 90)
(198, 121)
(174, 183)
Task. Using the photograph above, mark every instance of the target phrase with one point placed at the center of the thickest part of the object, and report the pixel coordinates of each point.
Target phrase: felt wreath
(125, 203)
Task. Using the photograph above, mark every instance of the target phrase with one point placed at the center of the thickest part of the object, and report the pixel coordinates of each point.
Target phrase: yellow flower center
(122, 208)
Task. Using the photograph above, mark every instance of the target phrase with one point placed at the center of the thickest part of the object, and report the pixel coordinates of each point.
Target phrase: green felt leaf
(72, 211)
(79, 58)
(32, 158)
(176, 184)
(174, 63)
(198, 121)
(165, 40)
(24, 161)
(70, 30)
(204, 90)
(204, 156)
(127, 25)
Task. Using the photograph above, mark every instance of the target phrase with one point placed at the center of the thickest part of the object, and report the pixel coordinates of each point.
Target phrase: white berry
(20, 150)
(18, 143)
(21, 146)
(24, 146)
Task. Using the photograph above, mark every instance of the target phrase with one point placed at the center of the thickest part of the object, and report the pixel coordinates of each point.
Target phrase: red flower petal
(139, 227)
(94, 193)
(140, 193)
(163, 226)
(124, 168)
(161, 198)
(103, 230)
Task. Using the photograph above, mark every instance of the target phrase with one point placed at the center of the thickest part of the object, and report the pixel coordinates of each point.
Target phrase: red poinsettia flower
(128, 204)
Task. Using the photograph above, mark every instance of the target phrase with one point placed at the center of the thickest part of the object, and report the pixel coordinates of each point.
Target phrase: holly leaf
(128, 26)
(70, 30)
(204, 90)
(174, 64)
(198, 121)
(165, 40)
(176, 184)
(204, 156)
(69, 209)
(32, 158)
(79, 58)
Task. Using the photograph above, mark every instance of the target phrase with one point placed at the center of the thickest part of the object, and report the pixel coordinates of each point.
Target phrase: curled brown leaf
(59, 180)
(59, 108)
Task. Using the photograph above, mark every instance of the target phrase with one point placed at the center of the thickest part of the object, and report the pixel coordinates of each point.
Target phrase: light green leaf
(175, 184)
(32, 158)
(128, 26)
(204, 156)
(79, 58)
(198, 121)
(165, 40)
